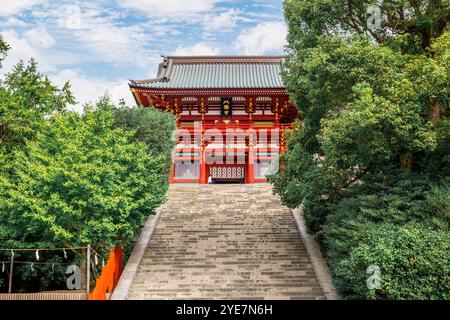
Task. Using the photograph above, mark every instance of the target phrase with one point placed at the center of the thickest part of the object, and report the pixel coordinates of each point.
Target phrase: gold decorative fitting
(202, 108)
(250, 108)
(202, 143)
(177, 109)
(277, 106)
(250, 143)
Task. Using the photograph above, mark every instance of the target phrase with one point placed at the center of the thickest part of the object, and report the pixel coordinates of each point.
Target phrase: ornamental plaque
(226, 110)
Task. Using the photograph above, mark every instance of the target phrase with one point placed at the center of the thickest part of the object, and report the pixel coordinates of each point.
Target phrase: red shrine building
(232, 113)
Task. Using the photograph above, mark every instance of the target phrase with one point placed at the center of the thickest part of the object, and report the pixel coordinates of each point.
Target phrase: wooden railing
(109, 277)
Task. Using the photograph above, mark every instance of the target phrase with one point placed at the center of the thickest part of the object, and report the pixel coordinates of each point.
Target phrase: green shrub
(414, 263)
(301, 180)
(372, 103)
(396, 200)
(394, 197)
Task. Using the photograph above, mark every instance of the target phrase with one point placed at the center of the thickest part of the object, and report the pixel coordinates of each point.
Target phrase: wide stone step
(225, 242)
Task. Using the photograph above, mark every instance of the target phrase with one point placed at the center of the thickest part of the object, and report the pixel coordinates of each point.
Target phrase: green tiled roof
(214, 72)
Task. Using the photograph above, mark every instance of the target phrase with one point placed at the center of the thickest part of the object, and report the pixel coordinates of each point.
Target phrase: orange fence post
(118, 269)
(109, 276)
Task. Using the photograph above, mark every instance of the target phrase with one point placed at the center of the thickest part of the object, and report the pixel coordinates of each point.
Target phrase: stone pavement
(225, 242)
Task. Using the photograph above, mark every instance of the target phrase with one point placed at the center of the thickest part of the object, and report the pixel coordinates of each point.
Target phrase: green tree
(409, 24)
(27, 98)
(151, 126)
(68, 179)
(4, 47)
(373, 91)
(366, 105)
(81, 181)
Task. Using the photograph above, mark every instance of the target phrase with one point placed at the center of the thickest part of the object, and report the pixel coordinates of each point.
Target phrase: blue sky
(99, 45)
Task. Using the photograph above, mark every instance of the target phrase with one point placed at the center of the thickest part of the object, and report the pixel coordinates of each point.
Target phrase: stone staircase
(225, 242)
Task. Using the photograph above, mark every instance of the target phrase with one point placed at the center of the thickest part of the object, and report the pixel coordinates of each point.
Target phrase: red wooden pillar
(251, 162)
(203, 173)
(172, 173)
(251, 166)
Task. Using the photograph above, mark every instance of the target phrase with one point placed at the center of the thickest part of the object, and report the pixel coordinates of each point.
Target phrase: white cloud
(224, 22)
(121, 90)
(107, 40)
(21, 49)
(264, 38)
(14, 22)
(199, 49)
(40, 37)
(11, 7)
(175, 32)
(181, 9)
(24, 49)
(88, 90)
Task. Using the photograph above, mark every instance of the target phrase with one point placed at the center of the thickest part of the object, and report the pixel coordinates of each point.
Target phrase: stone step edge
(129, 273)
(318, 262)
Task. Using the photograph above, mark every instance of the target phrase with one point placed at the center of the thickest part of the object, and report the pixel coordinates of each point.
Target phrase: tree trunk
(435, 111)
(406, 161)
(426, 38)
(83, 270)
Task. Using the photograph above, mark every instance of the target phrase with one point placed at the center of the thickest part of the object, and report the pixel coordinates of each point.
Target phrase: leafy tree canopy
(27, 98)
(151, 126)
(69, 179)
(371, 81)
(80, 182)
(411, 25)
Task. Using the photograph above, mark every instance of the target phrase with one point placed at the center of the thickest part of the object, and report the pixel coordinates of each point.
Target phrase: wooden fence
(104, 285)
(43, 296)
